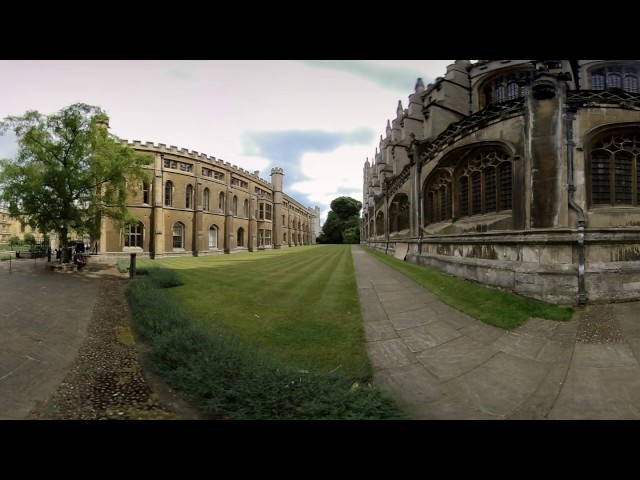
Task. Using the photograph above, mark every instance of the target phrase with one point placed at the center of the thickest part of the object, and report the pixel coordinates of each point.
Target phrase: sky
(318, 120)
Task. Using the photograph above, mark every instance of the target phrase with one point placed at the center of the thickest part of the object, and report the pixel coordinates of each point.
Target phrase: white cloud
(331, 175)
(208, 106)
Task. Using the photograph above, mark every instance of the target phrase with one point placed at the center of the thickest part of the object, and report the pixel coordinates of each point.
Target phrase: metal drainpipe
(419, 192)
(386, 224)
(582, 295)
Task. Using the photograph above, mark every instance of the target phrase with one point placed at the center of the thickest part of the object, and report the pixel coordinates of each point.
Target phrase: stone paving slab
(413, 318)
(423, 337)
(410, 384)
(43, 320)
(450, 408)
(603, 355)
(540, 403)
(538, 327)
(634, 345)
(551, 351)
(389, 354)
(483, 333)
(402, 305)
(373, 313)
(520, 345)
(381, 330)
(596, 393)
(455, 358)
(455, 319)
(499, 386)
(403, 295)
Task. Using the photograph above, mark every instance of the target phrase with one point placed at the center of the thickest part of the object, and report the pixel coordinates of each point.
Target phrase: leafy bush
(153, 313)
(29, 239)
(123, 265)
(162, 277)
(15, 240)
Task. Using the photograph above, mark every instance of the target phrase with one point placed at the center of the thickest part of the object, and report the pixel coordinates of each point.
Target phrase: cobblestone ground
(598, 324)
(107, 380)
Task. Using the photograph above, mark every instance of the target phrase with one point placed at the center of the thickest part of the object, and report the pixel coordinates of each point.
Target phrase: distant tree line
(343, 222)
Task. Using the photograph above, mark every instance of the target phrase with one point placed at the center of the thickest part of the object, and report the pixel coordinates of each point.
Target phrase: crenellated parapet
(311, 211)
(195, 156)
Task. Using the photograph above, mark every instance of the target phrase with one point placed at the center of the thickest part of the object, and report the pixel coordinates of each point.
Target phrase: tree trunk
(64, 243)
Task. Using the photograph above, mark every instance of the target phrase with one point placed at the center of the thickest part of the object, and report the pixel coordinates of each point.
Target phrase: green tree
(29, 238)
(344, 216)
(351, 235)
(69, 172)
(15, 240)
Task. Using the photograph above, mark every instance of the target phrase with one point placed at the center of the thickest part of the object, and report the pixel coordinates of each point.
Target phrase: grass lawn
(298, 304)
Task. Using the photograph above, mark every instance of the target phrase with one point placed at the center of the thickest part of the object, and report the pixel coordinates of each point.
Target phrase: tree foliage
(15, 240)
(69, 172)
(343, 222)
(29, 238)
(351, 235)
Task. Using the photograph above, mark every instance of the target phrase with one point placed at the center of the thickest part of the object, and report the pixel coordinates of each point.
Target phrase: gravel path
(109, 379)
(598, 324)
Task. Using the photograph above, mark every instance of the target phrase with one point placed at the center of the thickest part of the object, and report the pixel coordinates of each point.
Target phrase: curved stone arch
(240, 237)
(188, 197)
(393, 217)
(379, 223)
(597, 132)
(612, 165)
(213, 233)
(178, 233)
(399, 207)
(600, 75)
(470, 180)
(503, 84)
(206, 199)
(437, 193)
(454, 156)
(483, 183)
(168, 194)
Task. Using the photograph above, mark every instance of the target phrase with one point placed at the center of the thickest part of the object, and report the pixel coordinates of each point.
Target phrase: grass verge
(493, 306)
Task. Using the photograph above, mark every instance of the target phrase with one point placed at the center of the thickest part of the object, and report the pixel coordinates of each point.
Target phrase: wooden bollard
(132, 266)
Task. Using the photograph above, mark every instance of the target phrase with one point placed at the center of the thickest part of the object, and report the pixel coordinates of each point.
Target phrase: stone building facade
(198, 205)
(5, 225)
(519, 174)
(10, 227)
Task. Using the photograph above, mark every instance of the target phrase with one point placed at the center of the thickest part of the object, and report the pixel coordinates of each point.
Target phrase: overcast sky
(319, 120)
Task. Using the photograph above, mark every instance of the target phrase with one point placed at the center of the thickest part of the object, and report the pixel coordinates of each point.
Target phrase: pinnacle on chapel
(419, 88)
